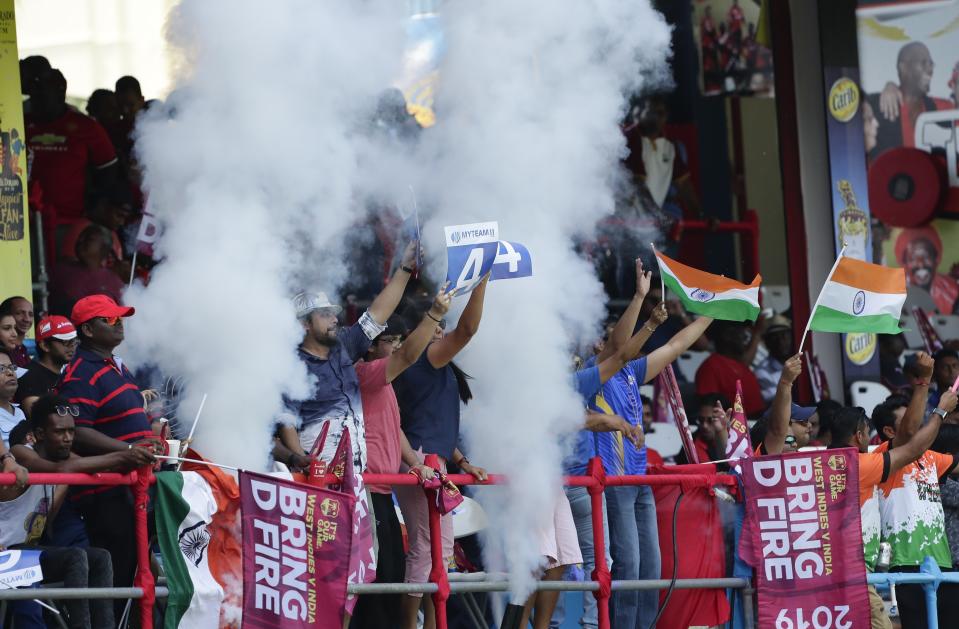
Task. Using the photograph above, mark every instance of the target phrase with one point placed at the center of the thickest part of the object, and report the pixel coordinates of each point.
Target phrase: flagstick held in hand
(196, 420)
(182, 460)
(955, 385)
(819, 298)
(133, 267)
(662, 278)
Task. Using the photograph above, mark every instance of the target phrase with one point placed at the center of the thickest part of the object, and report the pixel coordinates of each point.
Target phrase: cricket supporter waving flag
(710, 295)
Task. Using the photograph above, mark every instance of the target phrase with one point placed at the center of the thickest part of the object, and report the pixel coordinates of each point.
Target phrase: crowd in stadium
(386, 374)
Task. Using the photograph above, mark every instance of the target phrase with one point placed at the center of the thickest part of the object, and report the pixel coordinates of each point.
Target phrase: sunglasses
(110, 321)
(790, 440)
(63, 411)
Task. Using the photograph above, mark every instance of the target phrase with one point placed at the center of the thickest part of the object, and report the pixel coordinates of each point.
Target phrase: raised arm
(417, 341)
(123, 461)
(609, 367)
(781, 409)
(627, 322)
(669, 352)
(909, 425)
(900, 457)
(389, 298)
(444, 350)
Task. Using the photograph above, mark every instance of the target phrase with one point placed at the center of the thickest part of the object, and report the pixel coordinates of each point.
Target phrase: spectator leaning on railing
(110, 418)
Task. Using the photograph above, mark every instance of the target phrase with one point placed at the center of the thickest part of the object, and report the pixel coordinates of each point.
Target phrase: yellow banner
(14, 226)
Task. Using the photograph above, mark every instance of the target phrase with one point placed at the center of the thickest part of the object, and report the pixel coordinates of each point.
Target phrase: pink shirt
(381, 414)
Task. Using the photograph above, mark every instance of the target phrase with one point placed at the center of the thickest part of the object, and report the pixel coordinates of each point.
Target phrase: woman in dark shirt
(429, 394)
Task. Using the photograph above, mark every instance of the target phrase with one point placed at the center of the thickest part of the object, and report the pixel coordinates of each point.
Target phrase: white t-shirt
(8, 422)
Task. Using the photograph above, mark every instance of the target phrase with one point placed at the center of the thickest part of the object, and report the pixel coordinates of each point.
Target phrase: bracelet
(432, 317)
(646, 325)
(407, 269)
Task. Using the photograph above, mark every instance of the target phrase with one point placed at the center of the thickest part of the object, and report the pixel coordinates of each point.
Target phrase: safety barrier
(602, 584)
(929, 577)
(145, 587)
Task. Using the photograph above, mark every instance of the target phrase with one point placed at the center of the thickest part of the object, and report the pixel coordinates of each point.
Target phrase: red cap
(55, 327)
(97, 306)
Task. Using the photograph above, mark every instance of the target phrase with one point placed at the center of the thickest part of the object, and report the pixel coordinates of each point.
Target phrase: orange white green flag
(710, 295)
(860, 297)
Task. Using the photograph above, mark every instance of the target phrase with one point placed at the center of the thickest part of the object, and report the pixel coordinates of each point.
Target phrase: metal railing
(929, 577)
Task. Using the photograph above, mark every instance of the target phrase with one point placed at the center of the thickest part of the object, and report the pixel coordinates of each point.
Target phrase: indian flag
(184, 509)
(860, 297)
(710, 295)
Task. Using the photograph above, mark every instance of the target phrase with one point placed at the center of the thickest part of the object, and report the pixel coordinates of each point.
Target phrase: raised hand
(791, 369)
(410, 255)
(947, 401)
(643, 280)
(924, 366)
(441, 303)
(658, 316)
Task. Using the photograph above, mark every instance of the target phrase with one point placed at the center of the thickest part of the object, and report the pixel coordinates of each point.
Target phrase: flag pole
(197, 461)
(819, 298)
(133, 268)
(662, 281)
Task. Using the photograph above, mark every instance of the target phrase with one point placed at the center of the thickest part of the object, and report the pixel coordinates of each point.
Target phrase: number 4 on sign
(471, 269)
(512, 260)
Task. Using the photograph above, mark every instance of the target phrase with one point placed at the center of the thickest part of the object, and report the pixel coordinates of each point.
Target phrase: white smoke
(530, 99)
(257, 181)
(254, 180)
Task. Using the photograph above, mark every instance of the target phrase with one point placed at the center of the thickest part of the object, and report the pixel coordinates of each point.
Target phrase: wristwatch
(941, 413)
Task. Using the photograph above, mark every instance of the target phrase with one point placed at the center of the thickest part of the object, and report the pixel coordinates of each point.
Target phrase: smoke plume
(259, 172)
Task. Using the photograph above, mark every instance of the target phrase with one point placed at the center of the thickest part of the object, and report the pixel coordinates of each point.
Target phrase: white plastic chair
(868, 394)
(665, 440)
(689, 363)
(776, 297)
(947, 326)
(910, 330)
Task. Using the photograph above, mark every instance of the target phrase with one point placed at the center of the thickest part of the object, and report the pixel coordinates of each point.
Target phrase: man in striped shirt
(110, 418)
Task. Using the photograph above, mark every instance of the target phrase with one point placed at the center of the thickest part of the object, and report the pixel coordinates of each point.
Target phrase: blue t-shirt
(619, 396)
(586, 382)
(429, 403)
(336, 389)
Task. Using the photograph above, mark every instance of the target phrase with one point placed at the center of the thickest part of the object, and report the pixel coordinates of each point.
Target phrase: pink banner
(928, 333)
(738, 444)
(670, 389)
(349, 480)
(807, 539)
(295, 537)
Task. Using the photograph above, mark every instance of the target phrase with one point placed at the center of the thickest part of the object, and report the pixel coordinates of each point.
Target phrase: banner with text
(807, 539)
(295, 540)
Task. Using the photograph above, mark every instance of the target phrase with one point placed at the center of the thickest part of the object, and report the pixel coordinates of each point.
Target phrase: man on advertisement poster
(919, 251)
(901, 104)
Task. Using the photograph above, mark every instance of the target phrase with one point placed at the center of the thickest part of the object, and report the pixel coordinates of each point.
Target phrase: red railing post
(438, 570)
(601, 571)
(144, 577)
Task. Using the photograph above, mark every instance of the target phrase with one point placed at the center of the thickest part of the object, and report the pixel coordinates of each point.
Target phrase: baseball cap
(777, 324)
(307, 302)
(801, 413)
(56, 327)
(98, 306)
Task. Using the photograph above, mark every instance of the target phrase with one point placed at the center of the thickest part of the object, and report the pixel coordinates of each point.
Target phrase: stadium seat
(947, 326)
(665, 440)
(868, 394)
(689, 363)
(910, 330)
(776, 297)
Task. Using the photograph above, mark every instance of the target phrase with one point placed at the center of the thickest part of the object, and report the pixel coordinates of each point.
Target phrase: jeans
(635, 551)
(579, 503)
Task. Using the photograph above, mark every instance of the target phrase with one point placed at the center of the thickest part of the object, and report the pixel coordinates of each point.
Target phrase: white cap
(307, 302)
